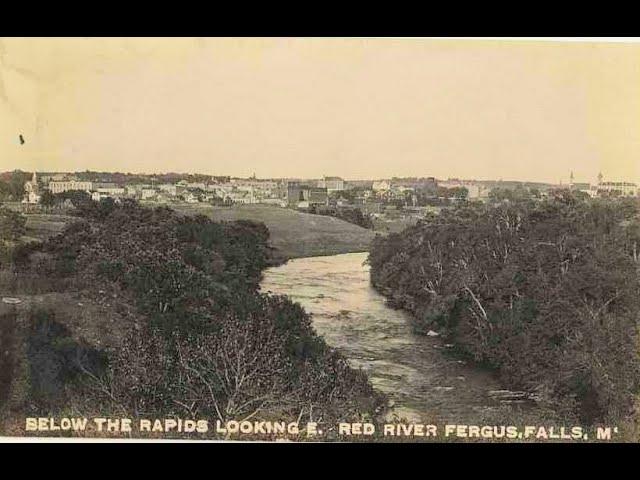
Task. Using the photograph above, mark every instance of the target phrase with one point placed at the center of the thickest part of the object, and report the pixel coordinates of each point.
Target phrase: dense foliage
(546, 292)
(348, 214)
(211, 344)
(12, 227)
(12, 185)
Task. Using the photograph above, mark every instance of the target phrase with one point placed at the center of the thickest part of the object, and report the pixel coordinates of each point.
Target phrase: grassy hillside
(294, 234)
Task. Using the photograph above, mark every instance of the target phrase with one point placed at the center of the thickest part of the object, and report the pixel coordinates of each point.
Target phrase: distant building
(31, 191)
(361, 184)
(626, 189)
(169, 189)
(69, 185)
(301, 195)
(53, 177)
(148, 193)
(190, 198)
(332, 184)
(416, 183)
(475, 190)
(381, 186)
(109, 189)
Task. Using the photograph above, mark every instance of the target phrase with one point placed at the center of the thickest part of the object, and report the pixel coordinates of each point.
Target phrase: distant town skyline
(567, 180)
(355, 108)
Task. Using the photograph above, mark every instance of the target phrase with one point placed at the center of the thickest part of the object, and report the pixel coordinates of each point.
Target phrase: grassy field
(41, 226)
(294, 234)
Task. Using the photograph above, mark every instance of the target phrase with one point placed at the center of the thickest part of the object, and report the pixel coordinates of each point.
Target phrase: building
(169, 189)
(190, 198)
(332, 184)
(381, 186)
(300, 195)
(626, 189)
(68, 185)
(109, 189)
(31, 191)
(147, 193)
(359, 184)
(416, 183)
(475, 190)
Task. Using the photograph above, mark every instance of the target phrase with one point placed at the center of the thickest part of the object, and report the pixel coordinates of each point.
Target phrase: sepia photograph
(320, 239)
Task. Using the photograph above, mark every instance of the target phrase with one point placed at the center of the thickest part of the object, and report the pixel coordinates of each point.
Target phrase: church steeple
(600, 177)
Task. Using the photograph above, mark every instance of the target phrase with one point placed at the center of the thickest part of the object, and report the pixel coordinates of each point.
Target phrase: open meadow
(294, 234)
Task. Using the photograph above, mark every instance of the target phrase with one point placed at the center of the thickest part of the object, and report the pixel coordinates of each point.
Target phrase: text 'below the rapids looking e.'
(343, 430)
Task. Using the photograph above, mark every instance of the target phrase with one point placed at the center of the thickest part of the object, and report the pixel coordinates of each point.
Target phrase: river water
(423, 381)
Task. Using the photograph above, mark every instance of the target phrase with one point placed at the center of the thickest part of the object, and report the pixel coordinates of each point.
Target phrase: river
(423, 381)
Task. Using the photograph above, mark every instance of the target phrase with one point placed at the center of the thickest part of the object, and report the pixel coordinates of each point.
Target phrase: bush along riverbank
(188, 334)
(547, 293)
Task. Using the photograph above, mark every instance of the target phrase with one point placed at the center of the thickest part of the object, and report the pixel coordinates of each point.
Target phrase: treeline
(348, 214)
(12, 227)
(545, 292)
(12, 185)
(211, 343)
(143, 178)
(433, 197)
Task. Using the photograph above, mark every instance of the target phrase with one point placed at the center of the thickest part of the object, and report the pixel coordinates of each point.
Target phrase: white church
(31, 191)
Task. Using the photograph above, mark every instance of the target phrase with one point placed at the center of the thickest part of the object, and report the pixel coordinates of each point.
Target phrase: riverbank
(488, 278)
(199, 309)
(420, 375)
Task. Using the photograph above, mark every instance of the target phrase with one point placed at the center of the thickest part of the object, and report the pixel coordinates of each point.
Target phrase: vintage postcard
(320, 239)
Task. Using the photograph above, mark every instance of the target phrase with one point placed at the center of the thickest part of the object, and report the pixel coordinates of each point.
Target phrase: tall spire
(600, 177)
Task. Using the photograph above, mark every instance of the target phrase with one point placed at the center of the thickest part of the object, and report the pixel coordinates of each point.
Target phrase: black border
(313, 20)
(540, 461)
(451, 19)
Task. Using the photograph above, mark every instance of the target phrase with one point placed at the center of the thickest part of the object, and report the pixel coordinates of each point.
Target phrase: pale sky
(357, 108)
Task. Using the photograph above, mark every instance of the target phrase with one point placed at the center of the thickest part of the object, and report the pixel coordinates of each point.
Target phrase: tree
(546, 292)
(16, 184)
(47, 199)
(208, 342)
(12, 225)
